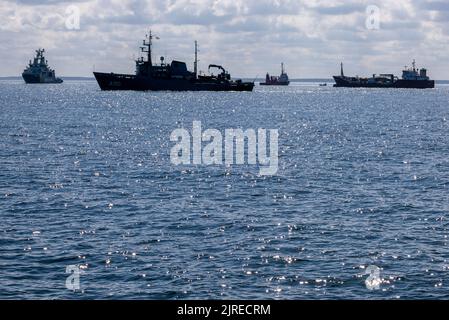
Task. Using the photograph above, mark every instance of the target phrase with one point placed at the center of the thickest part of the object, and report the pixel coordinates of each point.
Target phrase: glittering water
(85, 179)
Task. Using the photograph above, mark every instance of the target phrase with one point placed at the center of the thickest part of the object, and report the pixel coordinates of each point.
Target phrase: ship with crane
(411, 78)
(172, 76)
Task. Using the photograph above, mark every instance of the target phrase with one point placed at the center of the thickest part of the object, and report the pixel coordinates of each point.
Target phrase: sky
(247, 37)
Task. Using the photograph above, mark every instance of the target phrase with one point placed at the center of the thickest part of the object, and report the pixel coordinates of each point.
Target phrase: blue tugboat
(411, 78)
(172, 76)
(38, 70)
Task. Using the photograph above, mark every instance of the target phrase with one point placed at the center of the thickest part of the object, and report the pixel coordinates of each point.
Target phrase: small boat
(282, 80)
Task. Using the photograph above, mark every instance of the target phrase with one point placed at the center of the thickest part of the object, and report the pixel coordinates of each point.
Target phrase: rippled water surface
(86, 179)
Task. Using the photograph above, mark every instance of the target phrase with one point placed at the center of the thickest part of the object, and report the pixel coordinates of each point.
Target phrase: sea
(92, 207)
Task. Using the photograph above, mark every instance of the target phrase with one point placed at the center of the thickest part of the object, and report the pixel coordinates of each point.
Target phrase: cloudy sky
(249, 37)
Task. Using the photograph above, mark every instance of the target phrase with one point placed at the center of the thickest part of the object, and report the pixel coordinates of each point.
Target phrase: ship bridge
(412, 73)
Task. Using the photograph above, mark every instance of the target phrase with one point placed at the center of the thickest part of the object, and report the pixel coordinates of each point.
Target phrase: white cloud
(249, 37)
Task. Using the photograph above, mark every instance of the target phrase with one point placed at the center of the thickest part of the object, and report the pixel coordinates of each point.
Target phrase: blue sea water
(86, 180)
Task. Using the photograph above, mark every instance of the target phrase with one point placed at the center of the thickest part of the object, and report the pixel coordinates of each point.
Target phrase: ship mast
(147, 49)
(196, 60)
(341, 71)
(150, 38)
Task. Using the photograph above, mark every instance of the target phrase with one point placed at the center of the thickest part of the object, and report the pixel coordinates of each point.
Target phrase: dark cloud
(340, 9)
(434, 5)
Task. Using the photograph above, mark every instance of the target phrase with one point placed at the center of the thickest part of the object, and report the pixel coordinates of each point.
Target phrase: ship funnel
(423, 73)
(341, 71)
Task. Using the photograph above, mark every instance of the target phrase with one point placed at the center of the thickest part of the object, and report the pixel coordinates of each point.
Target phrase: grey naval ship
(411, 78)
(282, 80)
(172, 76)
(38, 71)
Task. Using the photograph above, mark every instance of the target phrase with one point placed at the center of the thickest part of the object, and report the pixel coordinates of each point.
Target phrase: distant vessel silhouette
(38, 71)
(282, 80)
(172, 76)
(411, 78)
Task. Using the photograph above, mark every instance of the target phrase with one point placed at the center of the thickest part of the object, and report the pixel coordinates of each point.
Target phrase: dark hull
(275, 84)
(111, 81)
(37, 79)
(406, 84)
